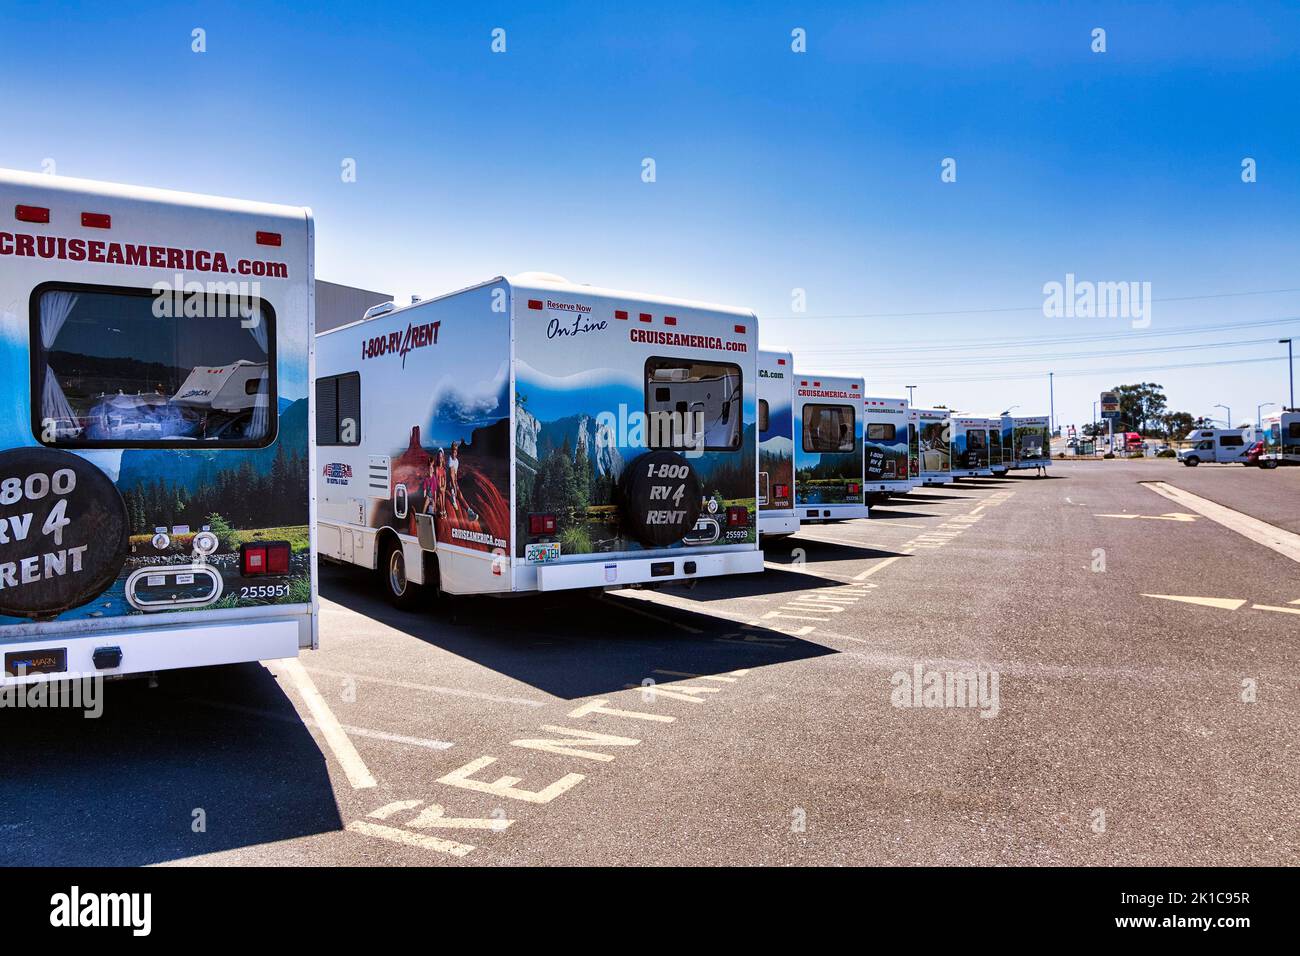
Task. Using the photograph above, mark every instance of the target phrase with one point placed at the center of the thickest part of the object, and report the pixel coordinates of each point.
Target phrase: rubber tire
(401, 592)
(1191, 462)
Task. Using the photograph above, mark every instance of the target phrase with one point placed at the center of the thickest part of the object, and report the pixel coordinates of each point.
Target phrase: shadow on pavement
(581, 644)
(122, 789)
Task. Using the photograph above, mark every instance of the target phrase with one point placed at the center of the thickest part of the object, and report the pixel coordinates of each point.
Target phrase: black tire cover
(63, 532)
(661, 498)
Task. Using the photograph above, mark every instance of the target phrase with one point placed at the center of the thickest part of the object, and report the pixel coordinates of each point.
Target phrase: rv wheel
(402, 592)
(1191, 462)
(661, 498)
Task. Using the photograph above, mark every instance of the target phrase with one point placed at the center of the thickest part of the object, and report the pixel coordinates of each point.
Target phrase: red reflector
(740, 329)
(782, 491)
(737, 516)
(854, 385)
(541, 524)
(268, 238)
(31, 214)
(277, 558)
(254, 559)
(96, 220)
(670, 320)
(803, 383)
(620, 314)
(817, 384)
(645, 316)
(780, 361)
(853, 489)
(535, 304)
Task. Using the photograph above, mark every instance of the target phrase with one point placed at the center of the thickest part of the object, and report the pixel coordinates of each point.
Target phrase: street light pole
(1259, 419)
(1290, 368)
(911, 389)
(1229, 411)
(1051, 401)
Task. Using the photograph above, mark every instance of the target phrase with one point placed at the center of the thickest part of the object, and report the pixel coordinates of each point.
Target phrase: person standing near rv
(154, 372)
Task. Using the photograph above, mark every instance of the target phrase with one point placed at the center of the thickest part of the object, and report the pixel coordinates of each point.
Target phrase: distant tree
(1140, 405)
(1175, 425)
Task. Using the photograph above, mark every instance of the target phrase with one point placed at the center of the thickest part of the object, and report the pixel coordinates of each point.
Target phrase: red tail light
(781, 491)
(541, 524)
(737, 516)
(264, 557)
(31, 214)
(854, 489)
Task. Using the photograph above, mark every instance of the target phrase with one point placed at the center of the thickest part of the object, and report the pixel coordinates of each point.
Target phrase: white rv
(828, 476)
(1222, 445)
(997, 453)
(532, 434)
(776, 512)
(934, 438)
(1281, 436)
(155, 500)
(1026, 441)
(886, 444)
(972, 446)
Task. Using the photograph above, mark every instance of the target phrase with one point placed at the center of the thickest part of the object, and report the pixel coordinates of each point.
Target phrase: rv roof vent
(415, 299)
(549, 277)
(382, 308)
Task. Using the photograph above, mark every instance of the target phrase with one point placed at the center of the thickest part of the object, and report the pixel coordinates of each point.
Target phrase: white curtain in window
(261, 422)
(55, 309)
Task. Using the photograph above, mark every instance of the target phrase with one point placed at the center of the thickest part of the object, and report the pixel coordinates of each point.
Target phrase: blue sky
(775, 171)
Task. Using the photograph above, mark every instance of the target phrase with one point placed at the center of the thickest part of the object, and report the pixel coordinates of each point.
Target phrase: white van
(972, 446)
(1281, 437)
(155, 500)
(533, 434)
(886, 447)
(776, 512)
(934, 439)
(828, 462)
(1222, 445)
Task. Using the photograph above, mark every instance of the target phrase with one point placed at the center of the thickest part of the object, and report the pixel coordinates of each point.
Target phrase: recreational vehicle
(1222, 445)
(971, 446)
(997, 461)
(828, 461)
(1026, 441)
(531, 434)
(155, 505)
(776, 512)
(886, 447)
(934, 435)
(1281, 436)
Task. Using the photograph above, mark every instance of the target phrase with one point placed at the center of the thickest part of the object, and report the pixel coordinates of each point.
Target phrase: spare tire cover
(661, 496)
(63, 532)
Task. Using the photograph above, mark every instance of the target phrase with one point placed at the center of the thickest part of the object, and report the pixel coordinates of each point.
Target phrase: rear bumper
(821, 513)
(681, 565)
(163, 648)
(777, 524)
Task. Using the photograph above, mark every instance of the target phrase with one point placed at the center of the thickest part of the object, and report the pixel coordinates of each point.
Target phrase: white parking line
(1285, 543)
(429, 688)
(346, 754)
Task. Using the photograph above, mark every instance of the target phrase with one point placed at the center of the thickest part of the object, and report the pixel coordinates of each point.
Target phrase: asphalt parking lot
(1144, 711)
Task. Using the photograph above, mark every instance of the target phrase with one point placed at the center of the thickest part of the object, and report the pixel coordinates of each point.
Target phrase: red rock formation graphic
(479, 509)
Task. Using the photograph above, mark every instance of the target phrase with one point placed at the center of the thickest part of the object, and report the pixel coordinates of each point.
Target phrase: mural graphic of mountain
(578, 431)
(190, 468)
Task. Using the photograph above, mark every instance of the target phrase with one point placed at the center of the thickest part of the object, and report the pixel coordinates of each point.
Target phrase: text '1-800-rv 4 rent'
(155, 504)
(971, 446)
(886, 444)
(1026, 441)
(934, 436)
(828, 448)
(531, 434)
(776, 512)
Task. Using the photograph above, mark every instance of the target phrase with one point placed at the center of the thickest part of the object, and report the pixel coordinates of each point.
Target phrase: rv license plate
(52, 660)
(542, 553)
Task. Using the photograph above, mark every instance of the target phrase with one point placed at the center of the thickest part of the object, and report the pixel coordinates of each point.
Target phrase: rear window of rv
(880, 431)
(828, 428)
(693, 405)
(977, 438)
(125, 367)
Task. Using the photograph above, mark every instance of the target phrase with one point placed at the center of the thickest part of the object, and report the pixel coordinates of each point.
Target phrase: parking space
(1134, 701)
